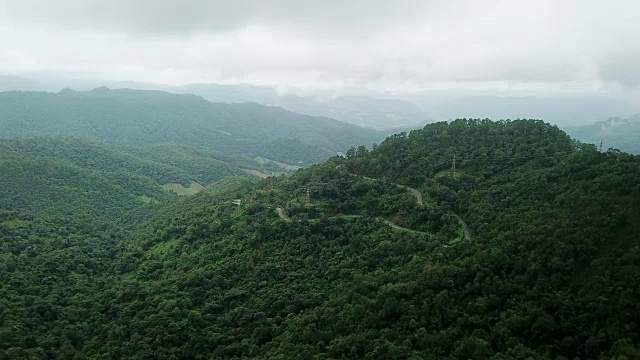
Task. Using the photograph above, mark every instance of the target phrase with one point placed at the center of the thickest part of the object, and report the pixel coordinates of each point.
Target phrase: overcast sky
(541, 46)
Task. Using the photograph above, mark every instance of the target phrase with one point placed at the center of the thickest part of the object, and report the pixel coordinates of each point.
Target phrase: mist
(431, 53)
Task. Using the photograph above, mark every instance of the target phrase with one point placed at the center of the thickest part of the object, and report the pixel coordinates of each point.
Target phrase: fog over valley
(568, 62)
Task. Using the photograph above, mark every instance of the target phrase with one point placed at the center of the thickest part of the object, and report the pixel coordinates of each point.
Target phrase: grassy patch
(256, 173)
(458, 239)
(449, 173)
(15, 223)
(286, 167)
(193, 189)
(147, 199)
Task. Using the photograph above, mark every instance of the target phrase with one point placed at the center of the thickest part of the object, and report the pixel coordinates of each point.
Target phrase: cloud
(17, 61)
(188, 16)
(621, 69)
(542, 45)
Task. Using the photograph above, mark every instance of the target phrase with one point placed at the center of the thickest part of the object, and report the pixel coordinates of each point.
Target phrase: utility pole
(453, 166)
(600, 145)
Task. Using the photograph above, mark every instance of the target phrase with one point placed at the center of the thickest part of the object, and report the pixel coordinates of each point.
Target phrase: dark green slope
(551, 272)
(131, 117)
(67, 208)
(167, 163)
(555, 226)
(212, 278)
(480, 148)
(61, 227)
(360, 270)
(44, 184)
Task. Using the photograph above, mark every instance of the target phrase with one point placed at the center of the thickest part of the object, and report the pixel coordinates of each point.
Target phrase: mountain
(132, 117)
(561, 110)
(162, 163)
(379, 113)
(77, 180)
(526, 249)
(55, 172)
(230, 93)
(360, 110)
(623, 134)
(66, 207)
(8, 83)
(54, 83)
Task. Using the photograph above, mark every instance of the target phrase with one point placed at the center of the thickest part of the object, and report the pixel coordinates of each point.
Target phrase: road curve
(418, 195)
(282, 215)
(465, 228)
(415, 193)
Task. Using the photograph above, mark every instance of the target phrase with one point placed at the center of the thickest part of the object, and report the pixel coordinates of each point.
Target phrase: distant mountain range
(617, 133)
(379, 113)
(375, 110)
(142, 117)
(359, 110)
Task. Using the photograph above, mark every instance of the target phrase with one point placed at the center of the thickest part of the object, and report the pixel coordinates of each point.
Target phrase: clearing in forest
(193, 189)
(256, 173)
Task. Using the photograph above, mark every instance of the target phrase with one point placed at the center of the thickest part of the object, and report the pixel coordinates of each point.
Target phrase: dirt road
(415, 193)
(465, 228)
(282, 215)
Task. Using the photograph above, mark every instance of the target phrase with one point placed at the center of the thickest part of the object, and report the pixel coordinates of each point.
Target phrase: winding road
(415, 193)
(418, 196)
(282, 215)
(465, 228)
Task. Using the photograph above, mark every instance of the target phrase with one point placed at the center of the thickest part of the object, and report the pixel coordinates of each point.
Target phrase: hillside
(65, 214)
(67, 174)
(617, 133)
(339, 261)
(131, 117)
(162, 163)
(35, 182)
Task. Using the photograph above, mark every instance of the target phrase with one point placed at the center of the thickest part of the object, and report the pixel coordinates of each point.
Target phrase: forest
(97, 261)
(141, 117)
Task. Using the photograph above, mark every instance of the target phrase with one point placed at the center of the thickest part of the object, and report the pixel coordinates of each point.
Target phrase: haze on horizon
(408, 48)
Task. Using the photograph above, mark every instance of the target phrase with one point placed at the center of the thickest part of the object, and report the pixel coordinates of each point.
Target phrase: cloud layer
(404, 45)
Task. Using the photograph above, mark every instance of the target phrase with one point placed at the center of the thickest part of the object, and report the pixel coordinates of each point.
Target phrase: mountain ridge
(376, 112)
(615, 132)
(130, 117)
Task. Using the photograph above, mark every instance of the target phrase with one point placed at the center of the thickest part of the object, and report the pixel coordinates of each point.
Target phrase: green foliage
(42, 184)
(162, 163)
(552, 270)
(482, 147)
(134, 118)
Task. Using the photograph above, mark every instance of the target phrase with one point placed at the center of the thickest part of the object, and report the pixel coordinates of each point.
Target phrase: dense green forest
(137, 117)
(357, 268)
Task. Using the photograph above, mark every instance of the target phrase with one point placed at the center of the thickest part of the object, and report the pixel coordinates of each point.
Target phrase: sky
(403, 46)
